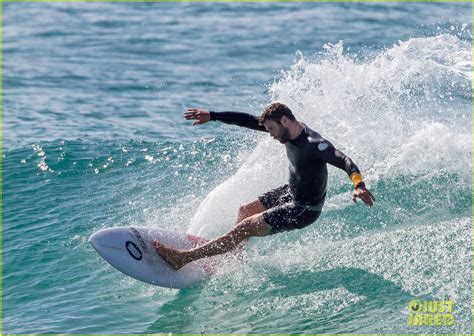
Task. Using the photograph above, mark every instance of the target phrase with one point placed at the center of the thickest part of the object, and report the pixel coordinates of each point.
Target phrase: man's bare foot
(172, 256)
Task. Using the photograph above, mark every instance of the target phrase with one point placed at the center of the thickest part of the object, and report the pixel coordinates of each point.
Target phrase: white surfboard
(131, 251)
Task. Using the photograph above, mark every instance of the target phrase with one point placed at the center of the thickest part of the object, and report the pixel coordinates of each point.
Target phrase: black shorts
(282, 213)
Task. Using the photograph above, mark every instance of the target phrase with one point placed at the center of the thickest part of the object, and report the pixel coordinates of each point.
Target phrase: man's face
(277, 131)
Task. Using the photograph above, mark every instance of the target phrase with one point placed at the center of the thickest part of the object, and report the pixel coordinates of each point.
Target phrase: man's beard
(285, 137)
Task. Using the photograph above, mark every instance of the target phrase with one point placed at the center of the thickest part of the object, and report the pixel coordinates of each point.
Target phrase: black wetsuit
(308, 154)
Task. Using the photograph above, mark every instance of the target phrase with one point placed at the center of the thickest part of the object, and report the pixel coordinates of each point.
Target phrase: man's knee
(254, 226)
(250, 209)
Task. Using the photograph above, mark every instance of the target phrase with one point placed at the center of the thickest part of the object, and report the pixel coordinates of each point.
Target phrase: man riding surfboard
(294, 205)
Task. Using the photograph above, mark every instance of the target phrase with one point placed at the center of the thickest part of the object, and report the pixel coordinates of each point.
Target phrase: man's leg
(253, 226)
(249, 209)
(245, 211)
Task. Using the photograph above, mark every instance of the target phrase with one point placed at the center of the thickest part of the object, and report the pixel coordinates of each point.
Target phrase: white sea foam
(403, 111)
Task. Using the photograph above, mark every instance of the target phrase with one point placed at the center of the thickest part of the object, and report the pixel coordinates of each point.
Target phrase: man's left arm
(335, 157)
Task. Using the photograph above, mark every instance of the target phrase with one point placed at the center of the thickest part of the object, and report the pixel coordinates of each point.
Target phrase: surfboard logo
(140, 239)
(133, 250)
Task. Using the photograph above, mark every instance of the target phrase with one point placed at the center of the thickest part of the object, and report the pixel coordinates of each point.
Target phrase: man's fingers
(366, 198)
(365, 195)
(371, 196)
(191, 115)
(201, 116)
(193, 110)
(368, 201)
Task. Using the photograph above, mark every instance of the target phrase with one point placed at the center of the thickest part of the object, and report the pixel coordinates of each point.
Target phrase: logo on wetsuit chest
(322, 146)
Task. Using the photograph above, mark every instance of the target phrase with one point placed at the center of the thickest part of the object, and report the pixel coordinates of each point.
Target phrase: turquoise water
(93, 137)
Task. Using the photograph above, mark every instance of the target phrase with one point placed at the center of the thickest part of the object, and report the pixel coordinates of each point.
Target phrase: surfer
(292, 206)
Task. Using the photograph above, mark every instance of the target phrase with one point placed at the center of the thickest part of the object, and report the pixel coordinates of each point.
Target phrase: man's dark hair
(275, 112)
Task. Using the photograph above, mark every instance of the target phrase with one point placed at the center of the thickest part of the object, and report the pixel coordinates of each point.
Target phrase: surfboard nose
(102, 238)
(111, 238)
(94, 239)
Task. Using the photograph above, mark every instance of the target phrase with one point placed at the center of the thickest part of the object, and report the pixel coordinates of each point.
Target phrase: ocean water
(93, 137)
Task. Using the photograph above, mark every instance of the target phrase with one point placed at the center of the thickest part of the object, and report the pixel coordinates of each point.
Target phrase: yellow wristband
(356, 178)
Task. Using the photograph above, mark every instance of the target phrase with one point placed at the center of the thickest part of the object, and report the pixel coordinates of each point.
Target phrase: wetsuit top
(308, 154)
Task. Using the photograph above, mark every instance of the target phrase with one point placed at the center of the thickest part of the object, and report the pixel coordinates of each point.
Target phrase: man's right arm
(238, 118)
(233, 118)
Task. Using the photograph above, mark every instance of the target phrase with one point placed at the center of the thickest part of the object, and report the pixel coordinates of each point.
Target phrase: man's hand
(201, 116)
(366, 196)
